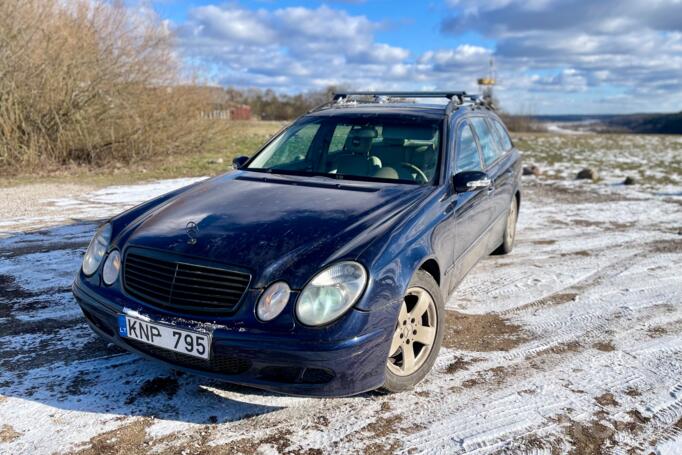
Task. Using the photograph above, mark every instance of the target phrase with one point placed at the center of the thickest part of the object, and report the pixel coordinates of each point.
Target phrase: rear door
(493, 165)
(504, 167)
(472, 209)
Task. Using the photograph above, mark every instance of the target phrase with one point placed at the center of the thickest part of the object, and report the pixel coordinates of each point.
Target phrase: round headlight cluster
(111, 268)
(331, 293)
(96, 250)
(273, 301)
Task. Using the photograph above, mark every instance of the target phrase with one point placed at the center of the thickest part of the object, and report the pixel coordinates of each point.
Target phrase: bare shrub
(521, 123)
(90, 82)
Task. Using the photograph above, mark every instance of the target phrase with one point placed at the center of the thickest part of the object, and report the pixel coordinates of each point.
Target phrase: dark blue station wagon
(322, 264)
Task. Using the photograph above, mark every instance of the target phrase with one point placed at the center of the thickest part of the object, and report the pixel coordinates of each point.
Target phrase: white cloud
(296, 48)
(229, 25)
(626, 46)
(583, 50)
(448, 60)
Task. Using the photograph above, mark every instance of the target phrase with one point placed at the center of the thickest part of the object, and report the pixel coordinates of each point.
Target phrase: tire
(423, 294)
(509, 234)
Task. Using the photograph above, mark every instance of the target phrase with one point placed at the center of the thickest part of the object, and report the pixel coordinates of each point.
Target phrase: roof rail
(448, 95)
(456, 98)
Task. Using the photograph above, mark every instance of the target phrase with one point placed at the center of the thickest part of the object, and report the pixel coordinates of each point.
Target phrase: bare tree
(88, 81)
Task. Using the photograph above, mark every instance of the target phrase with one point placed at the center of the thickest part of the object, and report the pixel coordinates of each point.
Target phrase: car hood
(275, 226)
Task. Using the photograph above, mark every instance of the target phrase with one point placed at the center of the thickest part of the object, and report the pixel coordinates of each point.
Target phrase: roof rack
(456, 98)
(448, 95)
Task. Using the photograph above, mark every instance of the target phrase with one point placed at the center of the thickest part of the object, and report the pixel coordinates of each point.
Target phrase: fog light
(273, 301)
(111, 268)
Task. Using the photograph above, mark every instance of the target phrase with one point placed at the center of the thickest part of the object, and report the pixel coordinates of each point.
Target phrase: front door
(472, 210)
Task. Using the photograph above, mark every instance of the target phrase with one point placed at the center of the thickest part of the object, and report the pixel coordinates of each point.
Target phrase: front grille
(218, 364)
(177, 285)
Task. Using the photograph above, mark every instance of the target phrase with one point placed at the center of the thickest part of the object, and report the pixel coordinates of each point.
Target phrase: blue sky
(552, 56)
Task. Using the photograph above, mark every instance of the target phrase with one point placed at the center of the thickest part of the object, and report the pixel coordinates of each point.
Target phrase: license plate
(168, 337)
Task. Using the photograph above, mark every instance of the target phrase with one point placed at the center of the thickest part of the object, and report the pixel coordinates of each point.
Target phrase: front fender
(393, 260)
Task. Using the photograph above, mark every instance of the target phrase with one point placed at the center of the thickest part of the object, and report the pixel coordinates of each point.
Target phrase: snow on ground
(68, 211)
(573, 342)
(655, 162)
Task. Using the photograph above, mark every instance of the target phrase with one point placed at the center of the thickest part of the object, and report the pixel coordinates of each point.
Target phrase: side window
(295, 148)
(468, 158)
(489, 145)
(502, 135)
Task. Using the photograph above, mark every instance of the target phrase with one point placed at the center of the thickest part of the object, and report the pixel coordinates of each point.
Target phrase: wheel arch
(431, 266)
(393, 277)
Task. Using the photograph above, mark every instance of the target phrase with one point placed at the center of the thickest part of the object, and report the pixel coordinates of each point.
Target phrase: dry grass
(212, 157)
(653, 160)
(90, 82)
(521, 123)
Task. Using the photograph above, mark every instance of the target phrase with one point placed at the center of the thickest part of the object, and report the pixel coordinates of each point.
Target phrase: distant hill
(649, 123)
(631, 123)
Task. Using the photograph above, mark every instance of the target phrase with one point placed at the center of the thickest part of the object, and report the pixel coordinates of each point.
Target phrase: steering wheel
(421, 177)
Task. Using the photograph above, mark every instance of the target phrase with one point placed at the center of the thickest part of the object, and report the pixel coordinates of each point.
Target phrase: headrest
(386, 173)
(364, 131)
(425, 133)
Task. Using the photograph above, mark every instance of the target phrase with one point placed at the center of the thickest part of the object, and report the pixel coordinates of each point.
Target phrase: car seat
(355, 158)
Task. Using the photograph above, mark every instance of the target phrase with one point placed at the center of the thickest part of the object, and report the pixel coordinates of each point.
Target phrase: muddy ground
(572, 343)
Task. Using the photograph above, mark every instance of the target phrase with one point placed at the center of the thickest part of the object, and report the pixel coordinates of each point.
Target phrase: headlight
(96, 250)
(273, 301)
(111, 268)
(331, 293)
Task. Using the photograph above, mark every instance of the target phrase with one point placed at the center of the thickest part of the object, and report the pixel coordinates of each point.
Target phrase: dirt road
(573, 342)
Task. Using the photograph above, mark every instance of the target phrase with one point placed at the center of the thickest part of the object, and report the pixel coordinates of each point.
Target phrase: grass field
(237, 138)
(654, 161)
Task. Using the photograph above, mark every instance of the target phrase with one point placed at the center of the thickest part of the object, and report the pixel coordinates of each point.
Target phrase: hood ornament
(192, 231)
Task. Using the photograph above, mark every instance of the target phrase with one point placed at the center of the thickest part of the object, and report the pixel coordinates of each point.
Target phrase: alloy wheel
(415, 332)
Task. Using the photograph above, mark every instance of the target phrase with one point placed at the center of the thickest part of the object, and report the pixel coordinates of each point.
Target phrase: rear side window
(468, 158)
(489, 145)
(503, 137)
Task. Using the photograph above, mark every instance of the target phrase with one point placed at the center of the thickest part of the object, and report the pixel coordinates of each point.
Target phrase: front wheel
(418, 334)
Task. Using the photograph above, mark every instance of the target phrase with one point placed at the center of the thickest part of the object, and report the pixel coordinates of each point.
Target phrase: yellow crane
(486, 84)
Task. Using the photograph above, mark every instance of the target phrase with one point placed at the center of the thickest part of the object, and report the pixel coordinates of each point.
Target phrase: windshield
(401, 149)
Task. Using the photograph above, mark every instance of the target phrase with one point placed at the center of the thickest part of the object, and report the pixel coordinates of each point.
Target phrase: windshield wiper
(280, 171)
(302, 173)
(328, 175)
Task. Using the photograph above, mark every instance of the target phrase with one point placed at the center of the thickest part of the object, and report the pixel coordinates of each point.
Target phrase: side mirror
(470, 181)
(240, 161)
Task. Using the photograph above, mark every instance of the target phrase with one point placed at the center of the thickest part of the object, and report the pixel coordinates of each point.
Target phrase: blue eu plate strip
(122, 327)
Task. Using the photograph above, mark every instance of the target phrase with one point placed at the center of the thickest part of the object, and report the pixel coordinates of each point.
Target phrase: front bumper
(277, 362)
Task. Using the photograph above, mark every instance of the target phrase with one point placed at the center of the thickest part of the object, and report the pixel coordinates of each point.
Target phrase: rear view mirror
(240, 161)
(470, 181)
